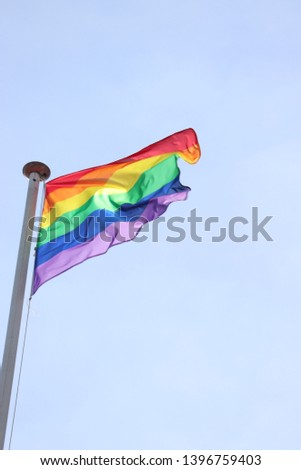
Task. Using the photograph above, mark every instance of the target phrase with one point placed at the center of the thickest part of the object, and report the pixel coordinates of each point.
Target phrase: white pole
(36, 172)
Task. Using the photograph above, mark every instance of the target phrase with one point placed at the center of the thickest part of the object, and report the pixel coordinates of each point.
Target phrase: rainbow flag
(87, 212)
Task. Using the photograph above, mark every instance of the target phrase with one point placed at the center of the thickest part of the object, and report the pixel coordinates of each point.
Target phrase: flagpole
(35, 172)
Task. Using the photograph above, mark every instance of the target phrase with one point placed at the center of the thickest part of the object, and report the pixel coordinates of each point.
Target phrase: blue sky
(161, 345)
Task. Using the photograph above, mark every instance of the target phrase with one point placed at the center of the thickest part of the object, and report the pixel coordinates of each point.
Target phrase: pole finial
(37, 167)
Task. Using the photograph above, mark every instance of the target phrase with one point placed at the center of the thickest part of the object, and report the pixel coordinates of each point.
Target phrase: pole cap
(37, 167)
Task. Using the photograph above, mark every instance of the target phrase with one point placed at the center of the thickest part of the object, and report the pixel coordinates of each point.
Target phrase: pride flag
(87, 212)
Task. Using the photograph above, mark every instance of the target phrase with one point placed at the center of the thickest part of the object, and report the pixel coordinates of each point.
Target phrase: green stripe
(149, 182)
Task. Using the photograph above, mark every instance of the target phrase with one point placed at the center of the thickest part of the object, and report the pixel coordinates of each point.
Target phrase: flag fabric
(87, 212)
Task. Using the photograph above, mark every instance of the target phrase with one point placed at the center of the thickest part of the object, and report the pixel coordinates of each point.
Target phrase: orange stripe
(97, 177)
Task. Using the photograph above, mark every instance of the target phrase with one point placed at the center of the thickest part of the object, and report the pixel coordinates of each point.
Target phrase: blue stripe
(98, 220)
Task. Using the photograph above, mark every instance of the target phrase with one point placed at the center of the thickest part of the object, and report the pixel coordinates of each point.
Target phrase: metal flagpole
(35, 172)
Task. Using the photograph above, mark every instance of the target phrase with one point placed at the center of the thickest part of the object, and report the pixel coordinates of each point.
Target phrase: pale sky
(160, 345)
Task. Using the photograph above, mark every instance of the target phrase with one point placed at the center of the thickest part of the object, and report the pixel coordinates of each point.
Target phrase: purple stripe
(114, 234)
